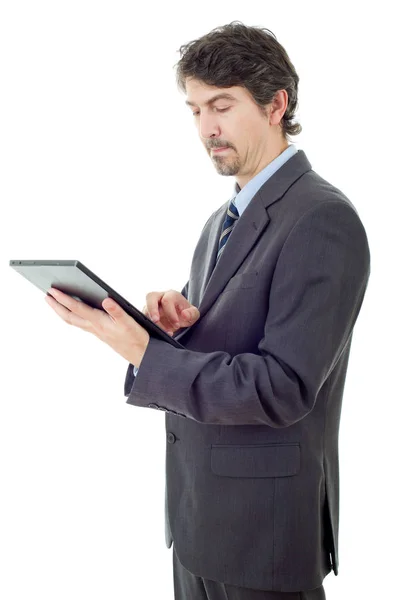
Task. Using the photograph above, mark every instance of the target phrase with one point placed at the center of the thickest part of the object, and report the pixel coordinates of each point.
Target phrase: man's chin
(225, 170)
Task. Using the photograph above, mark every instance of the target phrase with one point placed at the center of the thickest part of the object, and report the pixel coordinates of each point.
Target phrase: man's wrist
(140, 350)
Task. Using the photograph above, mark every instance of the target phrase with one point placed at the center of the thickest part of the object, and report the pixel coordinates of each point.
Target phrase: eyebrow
(223, 95)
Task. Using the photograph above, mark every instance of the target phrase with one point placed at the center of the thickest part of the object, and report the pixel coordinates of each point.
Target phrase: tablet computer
(76, 280)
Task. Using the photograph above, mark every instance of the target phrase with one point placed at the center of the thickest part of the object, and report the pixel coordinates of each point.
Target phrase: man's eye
(217, 109)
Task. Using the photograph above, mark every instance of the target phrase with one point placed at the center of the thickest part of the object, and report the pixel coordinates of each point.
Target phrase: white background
(100, 162)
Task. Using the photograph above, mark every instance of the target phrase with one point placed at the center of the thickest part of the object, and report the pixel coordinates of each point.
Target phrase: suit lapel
(250, 226)
(243, 237)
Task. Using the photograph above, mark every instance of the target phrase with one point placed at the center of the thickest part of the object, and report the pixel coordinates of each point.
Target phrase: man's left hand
(114, 327)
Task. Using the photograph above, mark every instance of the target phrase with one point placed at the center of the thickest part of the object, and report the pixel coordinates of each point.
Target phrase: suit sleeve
(317, 290)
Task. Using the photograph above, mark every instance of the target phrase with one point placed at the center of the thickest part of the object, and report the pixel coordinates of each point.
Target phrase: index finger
(152, 300)
(71, 310)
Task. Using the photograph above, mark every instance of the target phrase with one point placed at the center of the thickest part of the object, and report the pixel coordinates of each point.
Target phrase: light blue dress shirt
(242, 197)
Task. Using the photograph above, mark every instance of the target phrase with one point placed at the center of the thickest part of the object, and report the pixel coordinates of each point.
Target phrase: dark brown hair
(250, 57)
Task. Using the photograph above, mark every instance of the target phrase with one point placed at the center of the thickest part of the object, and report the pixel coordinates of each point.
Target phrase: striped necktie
(232, 216)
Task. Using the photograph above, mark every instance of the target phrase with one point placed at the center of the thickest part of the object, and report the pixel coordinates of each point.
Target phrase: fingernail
(154, 317)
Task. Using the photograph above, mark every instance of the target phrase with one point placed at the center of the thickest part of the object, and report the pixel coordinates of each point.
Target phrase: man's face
(235, 122)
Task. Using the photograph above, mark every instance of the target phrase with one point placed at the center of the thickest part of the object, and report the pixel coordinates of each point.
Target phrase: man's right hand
(170, 310)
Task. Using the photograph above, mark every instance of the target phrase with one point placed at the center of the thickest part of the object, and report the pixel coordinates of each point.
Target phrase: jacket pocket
(243, 280)
(266, 460)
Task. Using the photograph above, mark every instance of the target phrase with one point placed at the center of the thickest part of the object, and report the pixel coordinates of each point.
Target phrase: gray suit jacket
(253, 402)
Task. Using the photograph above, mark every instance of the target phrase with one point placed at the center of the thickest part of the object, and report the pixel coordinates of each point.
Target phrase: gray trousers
(191, 587)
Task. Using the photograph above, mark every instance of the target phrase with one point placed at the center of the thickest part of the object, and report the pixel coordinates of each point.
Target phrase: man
(253, 401)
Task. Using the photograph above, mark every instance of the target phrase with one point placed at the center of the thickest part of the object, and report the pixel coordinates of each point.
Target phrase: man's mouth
(219, 149)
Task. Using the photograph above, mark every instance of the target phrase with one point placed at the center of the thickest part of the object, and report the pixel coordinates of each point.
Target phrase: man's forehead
(200, 93)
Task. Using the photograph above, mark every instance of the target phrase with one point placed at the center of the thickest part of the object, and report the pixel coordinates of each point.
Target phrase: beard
(226, 164)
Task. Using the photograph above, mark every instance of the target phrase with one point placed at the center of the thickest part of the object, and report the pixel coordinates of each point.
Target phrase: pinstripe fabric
(243, 457)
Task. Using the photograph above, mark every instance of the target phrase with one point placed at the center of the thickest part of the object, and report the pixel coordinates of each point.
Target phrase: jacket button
(171, 438)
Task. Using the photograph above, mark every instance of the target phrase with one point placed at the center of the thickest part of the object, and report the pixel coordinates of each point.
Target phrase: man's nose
(208, 127)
